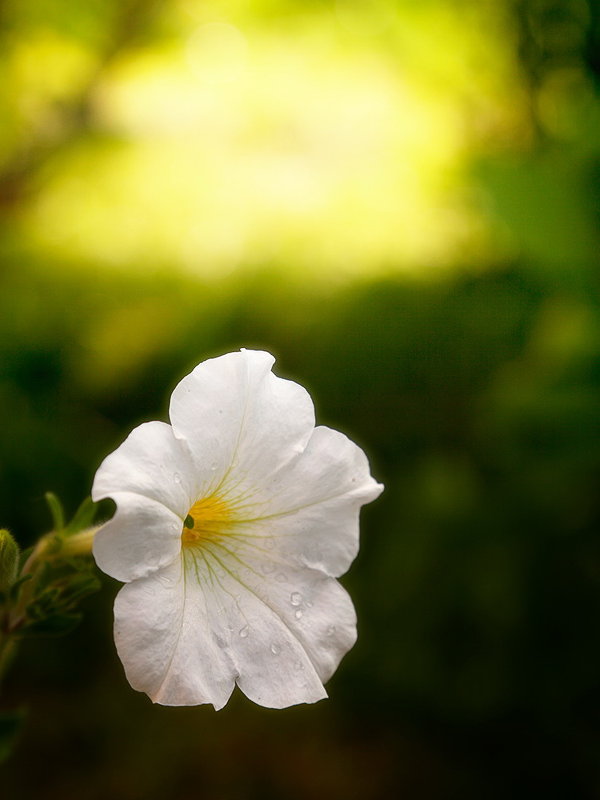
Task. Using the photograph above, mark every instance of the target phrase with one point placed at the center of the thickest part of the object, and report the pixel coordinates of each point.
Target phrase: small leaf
(77, 590)
(83, 518)
(11, 723)
(56, 509)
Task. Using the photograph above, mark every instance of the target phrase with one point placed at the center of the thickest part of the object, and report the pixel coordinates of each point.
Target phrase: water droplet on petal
(244, 631)
(298, 614)
(177, 477)
(268, 567)
(298, 665)
(295, 598)
(330, 630)
(269, 543)
(308, 604)
(280, 578)
(275, 649)
(213, 466)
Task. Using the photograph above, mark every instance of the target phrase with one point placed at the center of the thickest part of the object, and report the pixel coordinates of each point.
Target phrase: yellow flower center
(207, 520)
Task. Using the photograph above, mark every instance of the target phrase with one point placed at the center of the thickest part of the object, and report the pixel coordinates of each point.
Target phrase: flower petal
(240, 421)
(309, 511)
(296, 626)
(187, 633)
(153, 463)
(165, 637)
(142, 537)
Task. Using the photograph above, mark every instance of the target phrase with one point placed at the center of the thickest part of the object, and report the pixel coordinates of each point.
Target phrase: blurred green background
(401, 201)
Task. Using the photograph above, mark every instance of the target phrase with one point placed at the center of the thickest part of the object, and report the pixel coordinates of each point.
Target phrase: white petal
(185, 635)
(309, 511)
(142, 537)
(167, 638)
(299, 623)
(240, 421)
(153, 463)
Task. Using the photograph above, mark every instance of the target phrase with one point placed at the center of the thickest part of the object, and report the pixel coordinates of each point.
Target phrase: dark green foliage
(59, 587)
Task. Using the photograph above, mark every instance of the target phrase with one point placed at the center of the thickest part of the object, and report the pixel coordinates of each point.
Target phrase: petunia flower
(232, 525)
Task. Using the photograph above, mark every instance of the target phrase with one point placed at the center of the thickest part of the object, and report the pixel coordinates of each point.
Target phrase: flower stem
(80, 544)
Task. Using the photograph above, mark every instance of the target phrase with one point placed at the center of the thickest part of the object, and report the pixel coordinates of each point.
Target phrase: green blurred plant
(40, 589)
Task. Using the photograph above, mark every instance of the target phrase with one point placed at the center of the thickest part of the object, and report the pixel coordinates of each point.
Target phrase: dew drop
(309, 604)
(295, 598)
(213, 466)
(298, 665)
(269, 543)
(177, 477)
(244, 632)
(280, 578)
(330, 630)
(268, 567)
(298, 614)
(275, 649)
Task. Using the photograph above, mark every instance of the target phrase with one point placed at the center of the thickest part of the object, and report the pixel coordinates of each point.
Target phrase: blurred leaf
(11, 723)
(56, 509)
(59, 587)
(54, 625)
(83, 517)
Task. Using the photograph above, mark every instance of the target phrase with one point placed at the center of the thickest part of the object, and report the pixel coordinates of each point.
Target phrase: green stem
(80, 544)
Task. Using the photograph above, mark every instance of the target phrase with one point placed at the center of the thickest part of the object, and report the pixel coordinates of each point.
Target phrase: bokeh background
(401, 201)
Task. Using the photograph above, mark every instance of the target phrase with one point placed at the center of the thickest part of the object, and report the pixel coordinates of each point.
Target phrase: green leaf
(56, 509)
(11, 723)
(83, 518)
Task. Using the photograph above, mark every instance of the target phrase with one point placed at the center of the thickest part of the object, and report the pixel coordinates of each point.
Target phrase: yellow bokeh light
(234, 143)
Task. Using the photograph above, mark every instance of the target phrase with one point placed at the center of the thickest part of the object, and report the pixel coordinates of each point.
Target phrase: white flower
(232, 524)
